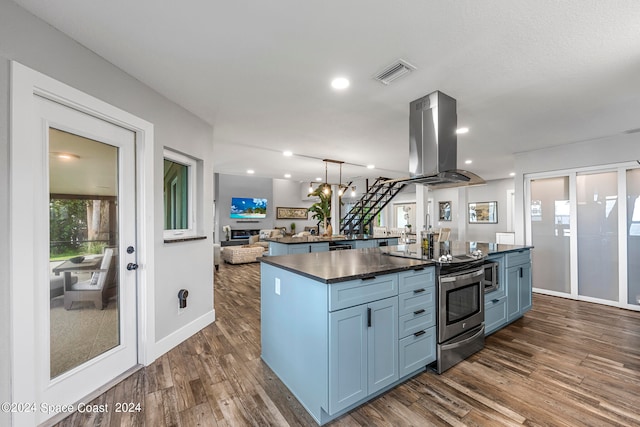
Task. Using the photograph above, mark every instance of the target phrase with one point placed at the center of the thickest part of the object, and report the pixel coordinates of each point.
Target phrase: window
(179, 195)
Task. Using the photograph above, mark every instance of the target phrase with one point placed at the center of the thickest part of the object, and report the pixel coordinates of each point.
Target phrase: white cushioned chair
(93, 289)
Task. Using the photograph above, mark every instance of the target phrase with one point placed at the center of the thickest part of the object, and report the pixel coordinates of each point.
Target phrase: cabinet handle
(419, 311)
(368, 278)
(418, 269)
(417, 334)
(417, 291)
(368, 317)
(520, 271)
(495, 301)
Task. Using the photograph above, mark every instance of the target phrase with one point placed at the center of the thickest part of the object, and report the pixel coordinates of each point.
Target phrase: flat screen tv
(247, 208)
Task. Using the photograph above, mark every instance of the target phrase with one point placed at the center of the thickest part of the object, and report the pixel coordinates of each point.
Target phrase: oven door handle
(465, 341)
(455, 278)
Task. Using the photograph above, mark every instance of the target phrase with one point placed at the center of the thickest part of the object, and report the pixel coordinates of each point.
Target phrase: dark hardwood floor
(566, 363)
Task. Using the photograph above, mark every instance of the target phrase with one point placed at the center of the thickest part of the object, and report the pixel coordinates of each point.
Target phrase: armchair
(93, 289)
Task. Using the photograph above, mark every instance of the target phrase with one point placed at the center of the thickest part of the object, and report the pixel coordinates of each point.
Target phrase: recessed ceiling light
(287, 175)
(287, 153)
(468, 162)
(250, 171)
(512, 174)
(462, 130)
(340, 83)
(319, 179)
(64, 156)
(371, 166)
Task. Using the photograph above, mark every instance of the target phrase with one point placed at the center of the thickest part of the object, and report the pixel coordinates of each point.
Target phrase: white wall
(30, 41)
(5, 363)
(287, 193)
(494, 191)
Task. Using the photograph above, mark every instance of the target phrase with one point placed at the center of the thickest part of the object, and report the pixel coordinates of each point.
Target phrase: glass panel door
(550, 232)
(597, 217)
(633, 236)
(83, 249)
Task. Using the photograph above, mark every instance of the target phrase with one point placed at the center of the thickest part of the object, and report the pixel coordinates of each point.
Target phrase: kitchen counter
(308, 244)
(454, 248)
(340, 266)
(290, 240)
(364, 320)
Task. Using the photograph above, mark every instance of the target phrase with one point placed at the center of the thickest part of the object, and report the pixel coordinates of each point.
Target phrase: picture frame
(444, 211)
(291, 213)
(483, 213)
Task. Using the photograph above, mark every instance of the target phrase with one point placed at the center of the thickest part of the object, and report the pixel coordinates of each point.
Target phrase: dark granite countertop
(454, 248)
(316, 239)
(340, 266)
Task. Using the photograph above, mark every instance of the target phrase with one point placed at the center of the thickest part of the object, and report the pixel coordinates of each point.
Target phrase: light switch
(277, 286)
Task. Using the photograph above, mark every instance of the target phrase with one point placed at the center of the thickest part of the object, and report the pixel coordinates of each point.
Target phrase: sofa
(242, 254)
(258, 239)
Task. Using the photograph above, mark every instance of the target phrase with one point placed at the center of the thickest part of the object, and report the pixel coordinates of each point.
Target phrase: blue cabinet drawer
(495, 314)
(422, 298)
(417, 351)
(498, 293)
(517, 258)
(412, 280)
(416, 321)
(362, 291)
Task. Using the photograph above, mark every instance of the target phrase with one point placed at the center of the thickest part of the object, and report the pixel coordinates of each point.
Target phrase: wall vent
(394, 71)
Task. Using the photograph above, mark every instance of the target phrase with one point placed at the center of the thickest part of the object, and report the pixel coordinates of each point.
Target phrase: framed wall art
(291, 213)
(483, 213)
(444, 209)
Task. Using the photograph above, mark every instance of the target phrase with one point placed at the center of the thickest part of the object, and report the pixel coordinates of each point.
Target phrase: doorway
(74, 239)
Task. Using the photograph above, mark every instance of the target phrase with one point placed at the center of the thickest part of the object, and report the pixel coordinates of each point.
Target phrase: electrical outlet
(277, 286)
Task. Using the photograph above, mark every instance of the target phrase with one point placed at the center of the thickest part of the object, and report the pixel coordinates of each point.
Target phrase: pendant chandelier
(327, 185)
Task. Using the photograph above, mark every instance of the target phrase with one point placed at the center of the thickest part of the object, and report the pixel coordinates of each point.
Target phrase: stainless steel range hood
(433, 148)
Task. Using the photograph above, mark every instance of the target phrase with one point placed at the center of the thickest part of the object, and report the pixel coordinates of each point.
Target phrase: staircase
(365, 210)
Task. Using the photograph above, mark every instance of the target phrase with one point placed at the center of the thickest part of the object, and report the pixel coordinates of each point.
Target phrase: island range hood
(433, 148)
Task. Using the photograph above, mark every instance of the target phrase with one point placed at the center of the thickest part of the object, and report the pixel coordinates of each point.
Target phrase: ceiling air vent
(394, 71)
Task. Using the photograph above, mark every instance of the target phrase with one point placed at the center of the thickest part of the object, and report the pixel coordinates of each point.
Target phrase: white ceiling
(527, 74)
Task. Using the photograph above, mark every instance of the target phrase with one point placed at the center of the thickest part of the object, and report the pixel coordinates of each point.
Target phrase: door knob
(132, 266)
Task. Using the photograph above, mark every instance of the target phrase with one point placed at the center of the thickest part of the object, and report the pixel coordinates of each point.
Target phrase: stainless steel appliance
(491, 279)
(460, 312)
(460, 300)
(433, 143)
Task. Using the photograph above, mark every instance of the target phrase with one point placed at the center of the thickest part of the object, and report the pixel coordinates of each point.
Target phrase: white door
(86, 319)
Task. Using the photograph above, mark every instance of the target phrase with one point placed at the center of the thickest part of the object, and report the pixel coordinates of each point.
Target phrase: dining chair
(93, 289)
(443, 236)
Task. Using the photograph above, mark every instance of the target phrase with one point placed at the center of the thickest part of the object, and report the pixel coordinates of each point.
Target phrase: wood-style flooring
(565, 363)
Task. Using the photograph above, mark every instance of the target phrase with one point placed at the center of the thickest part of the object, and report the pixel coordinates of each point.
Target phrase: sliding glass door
(633, 236)
(550, 231)
(585, 229)
(597, 215)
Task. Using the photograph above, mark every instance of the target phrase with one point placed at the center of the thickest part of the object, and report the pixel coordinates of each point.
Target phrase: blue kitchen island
(341, 327)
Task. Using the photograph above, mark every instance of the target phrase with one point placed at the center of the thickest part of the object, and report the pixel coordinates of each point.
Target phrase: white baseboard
(167, 343)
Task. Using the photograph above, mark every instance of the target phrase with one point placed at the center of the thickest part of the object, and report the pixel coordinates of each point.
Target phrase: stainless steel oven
(491, 279)
(460, 315)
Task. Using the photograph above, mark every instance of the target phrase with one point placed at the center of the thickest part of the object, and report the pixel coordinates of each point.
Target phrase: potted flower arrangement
(321, 210)
(227, 231)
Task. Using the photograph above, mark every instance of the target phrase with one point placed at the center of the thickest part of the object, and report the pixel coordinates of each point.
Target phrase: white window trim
(192, 183)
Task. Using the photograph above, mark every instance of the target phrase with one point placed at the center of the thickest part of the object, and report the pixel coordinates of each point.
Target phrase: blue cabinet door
(525, 289)
(382, 343)
(518, 290)
(513, 293)
(348, 379)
